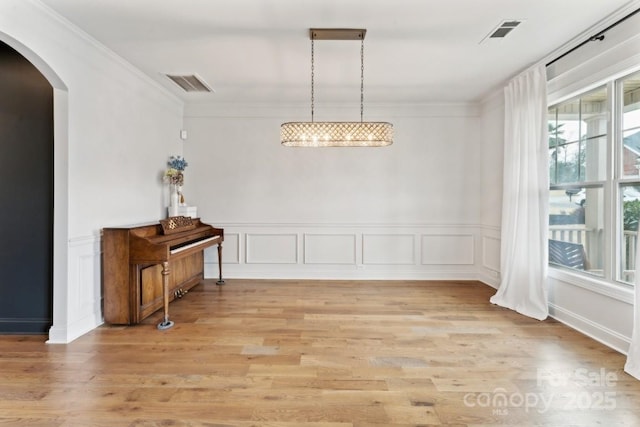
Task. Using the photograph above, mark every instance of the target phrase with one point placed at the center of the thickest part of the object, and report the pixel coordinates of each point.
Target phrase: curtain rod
(599, 36)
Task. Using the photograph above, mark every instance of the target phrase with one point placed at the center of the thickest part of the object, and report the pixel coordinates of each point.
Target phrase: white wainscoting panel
(230, 250)
(449, 249)
(84, 291)
(329, 248)
(271, 248)
(349, 251)
(488, 246)
(392, 249)
(87, 272)
(491, 253)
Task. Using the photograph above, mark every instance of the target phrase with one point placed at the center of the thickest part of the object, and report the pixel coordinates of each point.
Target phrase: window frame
(619, 179)
(614, 180)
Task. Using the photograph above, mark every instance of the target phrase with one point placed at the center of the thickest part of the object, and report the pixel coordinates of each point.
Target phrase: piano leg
(166, 323)
(220, 281)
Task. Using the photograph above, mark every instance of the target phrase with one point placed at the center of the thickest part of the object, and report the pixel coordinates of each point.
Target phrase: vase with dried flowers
(175, 177)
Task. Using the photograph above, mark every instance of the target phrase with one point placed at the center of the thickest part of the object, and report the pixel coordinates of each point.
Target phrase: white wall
(114, 131)
(410, 210)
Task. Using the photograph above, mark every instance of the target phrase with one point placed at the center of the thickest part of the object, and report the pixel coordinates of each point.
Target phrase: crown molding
(105, 52)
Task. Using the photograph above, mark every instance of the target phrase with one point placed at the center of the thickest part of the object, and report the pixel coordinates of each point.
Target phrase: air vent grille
(504, 29)
(190, 83)
(501, 31)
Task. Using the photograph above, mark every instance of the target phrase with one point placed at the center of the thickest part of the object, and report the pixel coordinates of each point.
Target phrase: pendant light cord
(362, 80)
(312, 77)
(336, 133)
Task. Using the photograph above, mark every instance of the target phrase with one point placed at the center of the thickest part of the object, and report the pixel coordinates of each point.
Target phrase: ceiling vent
(502, 30)
(190, 83)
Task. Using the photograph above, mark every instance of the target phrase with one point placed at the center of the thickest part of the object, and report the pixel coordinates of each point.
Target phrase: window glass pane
(578, 139)
(629, 194)
(594, 159)
(630, 209)
(553, 143)
(576, 221)
(564, 137)
(594, 117)
(568, 162)
(631, 125)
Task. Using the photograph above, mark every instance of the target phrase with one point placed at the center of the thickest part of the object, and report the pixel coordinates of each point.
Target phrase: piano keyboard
(192, 245)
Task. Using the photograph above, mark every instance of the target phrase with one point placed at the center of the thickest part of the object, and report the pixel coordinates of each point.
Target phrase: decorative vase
(181, 201)
(174, 200)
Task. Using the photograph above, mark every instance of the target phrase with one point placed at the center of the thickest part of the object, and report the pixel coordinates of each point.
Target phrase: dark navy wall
(26, 196)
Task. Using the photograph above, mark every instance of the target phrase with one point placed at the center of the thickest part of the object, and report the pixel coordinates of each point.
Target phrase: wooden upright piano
(147, 266)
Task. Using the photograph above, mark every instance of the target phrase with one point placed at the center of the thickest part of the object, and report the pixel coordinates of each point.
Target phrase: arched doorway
(59, 332)
(26, 174)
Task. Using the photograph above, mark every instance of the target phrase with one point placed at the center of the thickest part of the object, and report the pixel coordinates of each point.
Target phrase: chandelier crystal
(337, 134)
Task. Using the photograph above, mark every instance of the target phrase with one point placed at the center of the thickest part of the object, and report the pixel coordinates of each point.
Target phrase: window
(594, 167)
(578, 170)
(629, 185)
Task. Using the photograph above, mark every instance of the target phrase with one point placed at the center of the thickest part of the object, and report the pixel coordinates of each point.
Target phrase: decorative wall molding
(393, 110)
(347, 251)
(447, 249)
(271, 248)
(389, 249)
(492, 101)
(84, 291)
(491, 253)
(329, 248)
(97, 48)
(231, 249)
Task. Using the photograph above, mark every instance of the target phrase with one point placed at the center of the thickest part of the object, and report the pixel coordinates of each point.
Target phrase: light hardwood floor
(321, 354)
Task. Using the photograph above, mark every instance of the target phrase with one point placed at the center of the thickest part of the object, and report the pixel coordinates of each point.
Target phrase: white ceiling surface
(258, 51)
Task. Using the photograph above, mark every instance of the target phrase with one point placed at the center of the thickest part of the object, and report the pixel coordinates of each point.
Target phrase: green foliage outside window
(631, 214)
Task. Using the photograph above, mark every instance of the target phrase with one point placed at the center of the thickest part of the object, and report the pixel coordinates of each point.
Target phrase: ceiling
(258, 51)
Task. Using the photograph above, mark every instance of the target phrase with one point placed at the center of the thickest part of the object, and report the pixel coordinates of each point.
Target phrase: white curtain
(632, 367)
(523, 258)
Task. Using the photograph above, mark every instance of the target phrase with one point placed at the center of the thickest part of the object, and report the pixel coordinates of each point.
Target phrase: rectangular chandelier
(337, 134)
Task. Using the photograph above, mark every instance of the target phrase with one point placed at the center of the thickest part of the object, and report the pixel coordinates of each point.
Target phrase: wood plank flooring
(321, 354)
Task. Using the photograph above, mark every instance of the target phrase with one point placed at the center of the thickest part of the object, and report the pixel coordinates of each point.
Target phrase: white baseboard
(211, 272)
(68, 333)
(489, 278)
(606, 336)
